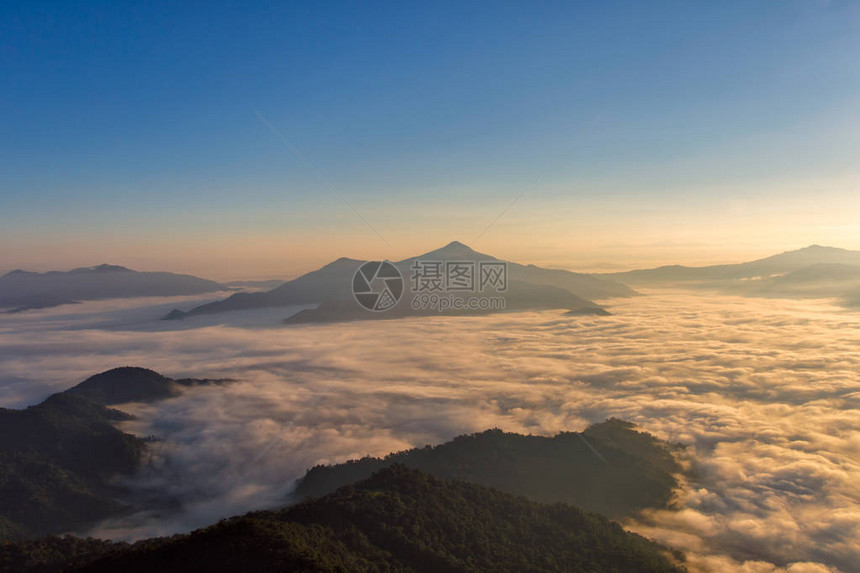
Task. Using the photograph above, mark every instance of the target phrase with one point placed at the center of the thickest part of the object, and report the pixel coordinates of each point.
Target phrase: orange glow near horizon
(549, 229)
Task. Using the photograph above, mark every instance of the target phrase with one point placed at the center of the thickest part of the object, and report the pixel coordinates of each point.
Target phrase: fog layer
(764, 393)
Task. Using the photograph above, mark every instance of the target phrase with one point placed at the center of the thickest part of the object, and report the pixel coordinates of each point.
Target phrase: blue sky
(129, 130)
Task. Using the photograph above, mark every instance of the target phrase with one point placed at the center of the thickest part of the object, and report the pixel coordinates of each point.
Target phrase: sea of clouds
(764, 393)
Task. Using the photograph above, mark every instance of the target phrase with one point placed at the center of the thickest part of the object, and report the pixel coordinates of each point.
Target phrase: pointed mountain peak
(104, 267)
(455, 250)
(17, 272)
(342, 262)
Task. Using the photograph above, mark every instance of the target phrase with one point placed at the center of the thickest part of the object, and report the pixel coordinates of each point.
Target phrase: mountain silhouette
(22, 290)
(531, 288)
(812, 272)
(774, 265)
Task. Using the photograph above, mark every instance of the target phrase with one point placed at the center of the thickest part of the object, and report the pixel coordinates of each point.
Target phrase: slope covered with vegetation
(630, 471)
(398, 520)
(58, 458)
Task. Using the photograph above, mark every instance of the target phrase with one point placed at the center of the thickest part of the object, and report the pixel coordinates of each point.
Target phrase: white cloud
(763, 392)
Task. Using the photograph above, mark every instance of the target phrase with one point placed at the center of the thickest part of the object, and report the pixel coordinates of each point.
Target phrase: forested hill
(56, 464)
(58, 459)
(399, 520)
(633, 471)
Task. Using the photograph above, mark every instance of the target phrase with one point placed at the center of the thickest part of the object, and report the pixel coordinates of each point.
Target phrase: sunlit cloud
(764, 394)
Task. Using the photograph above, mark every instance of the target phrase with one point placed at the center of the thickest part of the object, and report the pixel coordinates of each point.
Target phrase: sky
(606, 134)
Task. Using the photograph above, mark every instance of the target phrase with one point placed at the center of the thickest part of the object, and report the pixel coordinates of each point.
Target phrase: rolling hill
(58, 459)
(811, 272)
(397, 520)
(635, 471)
(22, 290)
(780, 264)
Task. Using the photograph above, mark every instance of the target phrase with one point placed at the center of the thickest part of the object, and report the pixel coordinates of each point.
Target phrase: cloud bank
(764, 393)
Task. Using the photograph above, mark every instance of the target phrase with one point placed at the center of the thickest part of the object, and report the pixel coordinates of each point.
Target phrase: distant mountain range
(530, 288)
(397, 520)
(811, 272)
(58, 458)
(22, 290)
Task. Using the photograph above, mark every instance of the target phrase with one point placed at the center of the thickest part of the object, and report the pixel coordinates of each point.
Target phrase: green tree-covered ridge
(398, 520)
(636, 470)
(58, 461)
(58, 458)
